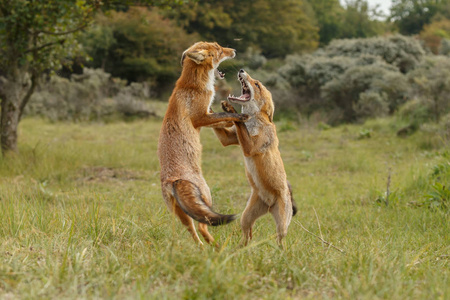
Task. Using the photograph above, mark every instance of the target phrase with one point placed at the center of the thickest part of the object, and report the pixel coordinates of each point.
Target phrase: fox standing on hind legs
(271, 192)
(179, 150)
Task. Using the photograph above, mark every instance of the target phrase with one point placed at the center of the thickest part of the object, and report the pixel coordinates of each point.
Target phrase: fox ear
(182, 57)
(197, 56)
(269, 110)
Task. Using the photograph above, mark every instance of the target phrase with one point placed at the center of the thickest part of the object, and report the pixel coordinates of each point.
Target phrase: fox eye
(257, 84)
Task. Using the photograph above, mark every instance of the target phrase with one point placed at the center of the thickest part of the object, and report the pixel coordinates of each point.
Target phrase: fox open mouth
(246, 92)
(220, 75)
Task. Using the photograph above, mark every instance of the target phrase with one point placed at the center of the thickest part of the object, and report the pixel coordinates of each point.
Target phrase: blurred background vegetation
(325, 61)
(362, 114)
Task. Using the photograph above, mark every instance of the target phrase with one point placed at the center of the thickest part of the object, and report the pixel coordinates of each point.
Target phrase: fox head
(209, 55)
(255, 97)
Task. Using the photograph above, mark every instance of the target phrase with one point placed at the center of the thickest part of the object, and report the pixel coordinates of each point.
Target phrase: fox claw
(227, 107)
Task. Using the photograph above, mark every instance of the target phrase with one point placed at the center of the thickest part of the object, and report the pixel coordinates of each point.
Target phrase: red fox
(179, 150)
(271, 192)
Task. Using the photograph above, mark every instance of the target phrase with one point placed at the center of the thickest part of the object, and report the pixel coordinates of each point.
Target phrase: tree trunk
(9, 123)
(14, 94)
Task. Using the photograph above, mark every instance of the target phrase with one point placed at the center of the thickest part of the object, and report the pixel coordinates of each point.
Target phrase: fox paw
(244, 117)
(227, 107)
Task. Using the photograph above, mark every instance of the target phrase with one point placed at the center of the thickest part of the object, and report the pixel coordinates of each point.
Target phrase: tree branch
(45, 46)
(63, 33)
(28, 95)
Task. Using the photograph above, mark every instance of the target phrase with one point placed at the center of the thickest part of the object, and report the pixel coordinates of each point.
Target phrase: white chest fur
(265, 195)
(252, 126)
(210, 86)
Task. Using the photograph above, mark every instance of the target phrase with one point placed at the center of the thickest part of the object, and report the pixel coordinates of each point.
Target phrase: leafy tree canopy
(137, 45)
(328, 15)
(359, 21)
(125, 4)
(410, 16)
(276, 27)
(433, 34)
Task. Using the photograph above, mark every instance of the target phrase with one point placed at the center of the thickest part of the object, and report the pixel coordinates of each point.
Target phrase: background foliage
(137, 45)
(80, 204)
(357, 73)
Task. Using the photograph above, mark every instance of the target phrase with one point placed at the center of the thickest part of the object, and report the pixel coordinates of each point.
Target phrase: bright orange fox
(179, 150)
(271, 192)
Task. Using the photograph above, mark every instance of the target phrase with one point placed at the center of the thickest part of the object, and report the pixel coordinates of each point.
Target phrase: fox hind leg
(282, 214)
(255, 208)
(203, 228)
(172, 204)
(186, 221)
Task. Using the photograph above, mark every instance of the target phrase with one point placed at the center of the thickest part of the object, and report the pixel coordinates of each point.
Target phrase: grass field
(81, 216)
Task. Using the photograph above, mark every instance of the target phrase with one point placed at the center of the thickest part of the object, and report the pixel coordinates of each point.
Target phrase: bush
(352, 80)
(94, 95)
(363, 82)
(445, 47)
(433, 33)
(400, 51)
(430, 83)
(371, 104)
(415, 111)
(302, 78)
(255, 59)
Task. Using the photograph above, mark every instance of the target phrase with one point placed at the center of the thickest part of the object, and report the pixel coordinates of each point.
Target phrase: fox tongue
(243, 97)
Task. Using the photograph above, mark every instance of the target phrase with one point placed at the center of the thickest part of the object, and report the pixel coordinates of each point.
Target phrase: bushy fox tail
(191, 201)
(294, 205)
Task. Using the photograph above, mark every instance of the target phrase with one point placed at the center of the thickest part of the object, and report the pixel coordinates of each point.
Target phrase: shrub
(445, 47)
(255, 59)
(371, 104)
(433, 33)
(430, 83)
(415, 111)
(401, 51)
(437, 134)
(372, 90)
(352, 79)
(305, 75)
(313, 72)
(94, 95)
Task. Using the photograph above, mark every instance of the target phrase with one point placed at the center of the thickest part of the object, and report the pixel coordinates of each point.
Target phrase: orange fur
(179, 150)
(271, 192)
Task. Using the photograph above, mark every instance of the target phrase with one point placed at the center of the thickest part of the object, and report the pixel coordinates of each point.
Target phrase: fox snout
(242, 74)
(232, 52)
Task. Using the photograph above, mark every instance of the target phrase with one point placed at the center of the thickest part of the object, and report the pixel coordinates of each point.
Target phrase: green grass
(81, 216)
